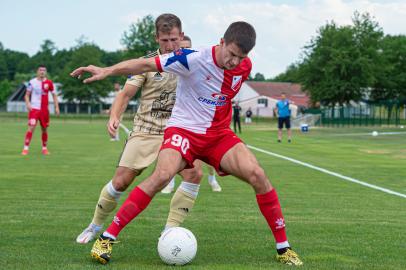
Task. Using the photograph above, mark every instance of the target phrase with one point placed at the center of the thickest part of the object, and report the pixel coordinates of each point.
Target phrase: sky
(283, 27)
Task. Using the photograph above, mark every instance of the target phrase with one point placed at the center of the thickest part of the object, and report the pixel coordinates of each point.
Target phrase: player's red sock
(44, 139)
(136, 202)
(271, 209)
(28, 137)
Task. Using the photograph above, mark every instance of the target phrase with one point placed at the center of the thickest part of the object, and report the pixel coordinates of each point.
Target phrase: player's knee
(119, 184)
(121, 181)
(195, 176)
(199, 175)
(192, 175)
(257, 178)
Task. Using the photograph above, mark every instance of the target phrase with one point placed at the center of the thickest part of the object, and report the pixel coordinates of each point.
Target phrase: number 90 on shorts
(178, 141)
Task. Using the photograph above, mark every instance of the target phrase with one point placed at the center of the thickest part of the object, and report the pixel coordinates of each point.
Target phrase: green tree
(259, 77)
(3, 66)
(61, 59)
(292, 74)
(16, 62)
(74, 89)
(340, 63)
(390, 81)
(6, 88)
(140, 38)
(45, 56)
(112, 58)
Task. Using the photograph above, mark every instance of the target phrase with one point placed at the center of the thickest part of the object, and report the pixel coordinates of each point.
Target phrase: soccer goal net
(308, 119)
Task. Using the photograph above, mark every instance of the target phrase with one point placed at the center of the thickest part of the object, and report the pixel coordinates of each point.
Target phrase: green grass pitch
(45, 202)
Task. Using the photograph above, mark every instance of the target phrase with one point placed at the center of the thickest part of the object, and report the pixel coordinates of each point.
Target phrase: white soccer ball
(177, 246)
(374, 133)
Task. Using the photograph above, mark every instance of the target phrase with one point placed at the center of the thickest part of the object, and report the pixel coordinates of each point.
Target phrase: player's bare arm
(134, 66)
(55, 97)
(119, 105)
(27, 100)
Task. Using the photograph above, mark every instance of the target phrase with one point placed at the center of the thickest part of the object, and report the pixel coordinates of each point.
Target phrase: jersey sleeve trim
(158, 64)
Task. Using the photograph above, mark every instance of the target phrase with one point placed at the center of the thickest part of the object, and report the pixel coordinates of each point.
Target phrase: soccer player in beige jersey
(143, 144)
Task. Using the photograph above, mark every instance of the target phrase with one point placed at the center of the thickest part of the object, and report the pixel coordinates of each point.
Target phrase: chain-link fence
(390, 113)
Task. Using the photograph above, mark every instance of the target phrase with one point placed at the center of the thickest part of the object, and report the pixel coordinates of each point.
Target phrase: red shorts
(38, 115)
(209, 147)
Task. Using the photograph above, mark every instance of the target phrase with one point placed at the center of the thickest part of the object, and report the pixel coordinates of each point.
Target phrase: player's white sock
(95, 227)
(113, 192)
(26, 147)
(212, 178)
(282, 245)
(172, 182)
(190, 188)
(109, 235)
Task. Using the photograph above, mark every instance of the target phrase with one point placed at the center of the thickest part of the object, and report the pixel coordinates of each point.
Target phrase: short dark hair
(241, 34)
(187, 39)
(166, 22)
(41, 66)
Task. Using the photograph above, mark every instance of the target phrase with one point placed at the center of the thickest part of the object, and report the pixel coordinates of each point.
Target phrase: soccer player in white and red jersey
(36, 100)
(199, 128)
(215, 186)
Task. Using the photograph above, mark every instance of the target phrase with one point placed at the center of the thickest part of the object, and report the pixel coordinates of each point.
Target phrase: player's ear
(222, 41)
(157, 37)
(182, 35)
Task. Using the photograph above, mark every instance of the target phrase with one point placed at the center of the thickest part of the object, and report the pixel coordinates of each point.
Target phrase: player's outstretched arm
(133, 67)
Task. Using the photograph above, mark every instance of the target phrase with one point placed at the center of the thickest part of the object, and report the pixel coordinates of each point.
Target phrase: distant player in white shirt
(199, 128)
(36, 100)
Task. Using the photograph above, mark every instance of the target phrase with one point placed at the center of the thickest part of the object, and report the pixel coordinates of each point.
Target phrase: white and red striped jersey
(39, 93)
(204, 91)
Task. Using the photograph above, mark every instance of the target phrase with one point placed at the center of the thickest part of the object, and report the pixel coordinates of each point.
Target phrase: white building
(261, 97)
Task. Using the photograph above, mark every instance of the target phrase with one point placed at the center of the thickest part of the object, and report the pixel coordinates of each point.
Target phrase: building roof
(275, 89)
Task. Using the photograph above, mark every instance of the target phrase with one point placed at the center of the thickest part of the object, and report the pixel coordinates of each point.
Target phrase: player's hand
(29, 108)
(97, 73)
(112, 126)
(57, 112)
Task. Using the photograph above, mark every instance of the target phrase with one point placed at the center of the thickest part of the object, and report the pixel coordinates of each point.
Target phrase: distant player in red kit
(38, 89)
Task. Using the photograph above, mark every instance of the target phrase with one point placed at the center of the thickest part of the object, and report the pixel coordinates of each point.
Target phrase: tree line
(340, 64)
(351, 63)
(18, 67)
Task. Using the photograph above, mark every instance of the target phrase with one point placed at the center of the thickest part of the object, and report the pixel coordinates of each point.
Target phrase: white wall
(245, 93)
(19, 106)
(260, 110)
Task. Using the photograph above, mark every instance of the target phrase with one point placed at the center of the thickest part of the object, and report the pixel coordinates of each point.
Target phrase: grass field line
(350, 179)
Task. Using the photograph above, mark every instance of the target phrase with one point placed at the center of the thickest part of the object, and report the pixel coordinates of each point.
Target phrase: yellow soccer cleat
(289, 257)
(101, 250)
